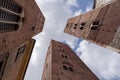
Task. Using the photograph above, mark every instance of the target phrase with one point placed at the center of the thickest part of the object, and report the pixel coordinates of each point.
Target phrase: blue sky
(103, 62)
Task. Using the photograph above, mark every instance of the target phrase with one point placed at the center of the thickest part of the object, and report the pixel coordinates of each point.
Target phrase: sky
(103, 62)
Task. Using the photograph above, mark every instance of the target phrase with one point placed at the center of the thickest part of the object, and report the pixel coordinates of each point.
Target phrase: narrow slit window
(1, 64)
(20, 51)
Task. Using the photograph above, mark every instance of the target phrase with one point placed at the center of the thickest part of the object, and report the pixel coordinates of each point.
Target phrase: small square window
(76, 24)
(20, 51)
(95, 25)
(82, 26)
(70, 69)
(65, 67)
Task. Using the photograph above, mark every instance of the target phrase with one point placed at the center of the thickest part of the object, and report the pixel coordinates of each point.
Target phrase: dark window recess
(20, 51)
(65, 57)
(10, 20)
(70, 69)
(5, 27)
(74, 27)
(10, 5)
(5, 16)
(62, 56)
(33, 28)
(95, 25)
(65, 67)
(1, 64)
(76, 24)
(82, 26)
(23, 19)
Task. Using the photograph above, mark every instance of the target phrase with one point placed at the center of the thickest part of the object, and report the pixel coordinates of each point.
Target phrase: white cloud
(103, 62)
(89, 7)
(72, 3)
(56, 13)
(78, 12)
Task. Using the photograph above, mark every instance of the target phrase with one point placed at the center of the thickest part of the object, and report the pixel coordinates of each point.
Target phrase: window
(82, 26)
(65, 67)
(20, 51)
(64, 56)
(70, 69)
(6, 27)
(95, 25)
(1, 63)
(75, 25)
(10, 16)
(10, 5)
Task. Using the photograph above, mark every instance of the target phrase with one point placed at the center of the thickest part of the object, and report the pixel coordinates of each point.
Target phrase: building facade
(13, 65)
(100, 3)
(100, 26)
(63, 64)
(19, 21)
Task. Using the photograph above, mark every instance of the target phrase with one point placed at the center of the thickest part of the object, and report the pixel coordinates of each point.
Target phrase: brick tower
(63, 64)
(100, 25)
(19, 21)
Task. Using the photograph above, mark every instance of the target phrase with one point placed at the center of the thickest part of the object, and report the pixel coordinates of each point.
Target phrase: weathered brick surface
(32, 25)
(107, 33)
(97, 15)
(15, 68)
(72, 25)
(84, 19)
(60, 54)
(109, 26)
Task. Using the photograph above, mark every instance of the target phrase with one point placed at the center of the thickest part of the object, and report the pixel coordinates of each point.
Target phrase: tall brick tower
(100, 25)
(63, 64)
(19, 21)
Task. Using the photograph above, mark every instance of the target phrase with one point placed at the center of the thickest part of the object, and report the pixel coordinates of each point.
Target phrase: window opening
(70, 69)
(6, 27)
(82, 26)
(95, 25)
(1, 64)
(10, 16)
(65, 67)
(20, 51)
(11, 5)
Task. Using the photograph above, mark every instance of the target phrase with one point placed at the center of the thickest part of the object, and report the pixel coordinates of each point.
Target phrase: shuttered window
(9, 16)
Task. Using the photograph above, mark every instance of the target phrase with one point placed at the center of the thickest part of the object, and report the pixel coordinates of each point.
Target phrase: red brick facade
(32, 24)
(63, 64)
(100, 26)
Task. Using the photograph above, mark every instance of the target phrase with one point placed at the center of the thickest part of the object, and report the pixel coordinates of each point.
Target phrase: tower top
(100, 3)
